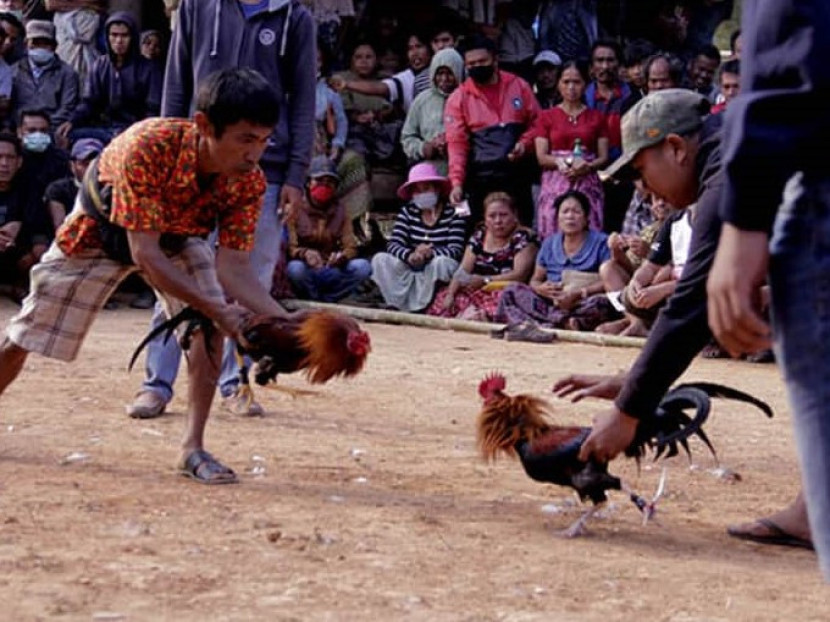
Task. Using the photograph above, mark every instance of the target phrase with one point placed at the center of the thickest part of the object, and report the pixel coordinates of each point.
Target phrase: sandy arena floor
(367, 501)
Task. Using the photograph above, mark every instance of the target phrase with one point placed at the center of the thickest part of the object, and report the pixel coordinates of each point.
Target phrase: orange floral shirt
(152, 170)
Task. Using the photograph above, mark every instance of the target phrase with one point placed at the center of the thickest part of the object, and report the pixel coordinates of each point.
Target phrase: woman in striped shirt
(426, 244)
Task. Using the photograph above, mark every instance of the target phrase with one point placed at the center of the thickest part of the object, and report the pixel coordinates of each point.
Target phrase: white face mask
(425, 200)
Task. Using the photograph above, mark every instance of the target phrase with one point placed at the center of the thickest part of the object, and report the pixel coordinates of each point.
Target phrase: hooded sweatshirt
(425, 120)
(279, 42)
(119, 96)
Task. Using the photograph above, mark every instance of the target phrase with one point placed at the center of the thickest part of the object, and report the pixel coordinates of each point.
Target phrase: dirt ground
(367, 500)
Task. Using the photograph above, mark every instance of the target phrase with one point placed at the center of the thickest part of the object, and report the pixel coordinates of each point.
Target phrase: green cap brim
(621, 169)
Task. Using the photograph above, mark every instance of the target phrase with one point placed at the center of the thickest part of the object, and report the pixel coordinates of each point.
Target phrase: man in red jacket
(489, 121)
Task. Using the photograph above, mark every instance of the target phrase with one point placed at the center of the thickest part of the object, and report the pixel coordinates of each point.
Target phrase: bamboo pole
(441, 323)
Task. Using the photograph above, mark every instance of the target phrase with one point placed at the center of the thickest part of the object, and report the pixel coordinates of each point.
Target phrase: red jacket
(469, 111)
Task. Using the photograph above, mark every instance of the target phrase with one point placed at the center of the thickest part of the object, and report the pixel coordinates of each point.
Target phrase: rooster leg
(648, 508)
(578, 528)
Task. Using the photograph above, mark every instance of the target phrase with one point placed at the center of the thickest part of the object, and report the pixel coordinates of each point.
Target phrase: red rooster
(518, 426)
(323, 344)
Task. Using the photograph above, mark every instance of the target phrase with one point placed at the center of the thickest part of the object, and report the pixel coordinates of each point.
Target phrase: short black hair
(675, 66)
(33, 112)
(12, 139)
(733, 39)
(581, 198)
(731, 66)
(637, 51)
(607, 43)
(709, 51)
(478, 41)
(240, 94)
(11, 18)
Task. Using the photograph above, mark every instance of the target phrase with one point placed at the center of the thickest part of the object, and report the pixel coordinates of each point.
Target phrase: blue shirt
(250, 10)
(588, 258)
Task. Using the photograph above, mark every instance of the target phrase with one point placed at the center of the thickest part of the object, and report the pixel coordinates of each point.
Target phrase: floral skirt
(519, 303)
(477, 305)
(554, 185)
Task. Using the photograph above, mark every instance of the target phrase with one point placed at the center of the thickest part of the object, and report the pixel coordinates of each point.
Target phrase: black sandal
(202, 467)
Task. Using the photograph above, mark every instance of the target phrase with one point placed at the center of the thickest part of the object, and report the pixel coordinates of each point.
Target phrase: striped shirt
(446, 236)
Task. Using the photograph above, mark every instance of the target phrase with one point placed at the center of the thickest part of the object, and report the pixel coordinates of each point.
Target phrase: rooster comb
(494, 381)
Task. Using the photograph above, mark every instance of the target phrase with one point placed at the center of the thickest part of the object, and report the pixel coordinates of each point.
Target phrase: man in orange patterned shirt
(160, 188)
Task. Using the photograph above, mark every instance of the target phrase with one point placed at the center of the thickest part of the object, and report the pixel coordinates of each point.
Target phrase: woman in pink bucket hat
(426, 243)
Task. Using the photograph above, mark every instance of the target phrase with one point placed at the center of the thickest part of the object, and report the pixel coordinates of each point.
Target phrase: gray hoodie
(279, 43)
(425, 119)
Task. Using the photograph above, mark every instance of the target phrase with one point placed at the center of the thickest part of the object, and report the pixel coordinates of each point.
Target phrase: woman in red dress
(571, 146)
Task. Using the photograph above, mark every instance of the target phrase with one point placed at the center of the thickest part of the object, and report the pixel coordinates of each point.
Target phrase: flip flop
(775, 535)
(202, 467)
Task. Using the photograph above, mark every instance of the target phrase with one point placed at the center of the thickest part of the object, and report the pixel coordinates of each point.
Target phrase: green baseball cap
(670, 111)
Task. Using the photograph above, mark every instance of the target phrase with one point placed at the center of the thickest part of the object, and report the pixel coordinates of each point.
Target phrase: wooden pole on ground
(467, 326)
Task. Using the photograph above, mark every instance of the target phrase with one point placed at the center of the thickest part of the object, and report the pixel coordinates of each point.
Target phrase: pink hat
(425, 171)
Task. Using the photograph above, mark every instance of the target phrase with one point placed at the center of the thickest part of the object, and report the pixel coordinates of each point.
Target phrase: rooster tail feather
(713, 389)
(168, 327)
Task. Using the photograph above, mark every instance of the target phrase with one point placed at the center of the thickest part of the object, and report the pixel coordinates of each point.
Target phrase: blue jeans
(327, 284)
(800, 284)
(163, 359)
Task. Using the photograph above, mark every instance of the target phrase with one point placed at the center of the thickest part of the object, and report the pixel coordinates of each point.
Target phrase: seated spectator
(729, 83)
(561, 293)
(403, 87)
(330, 141)
(489, 124)
(656, 279)
(639, 214)
(13, 47)
(546, 66)
(426, 243)
(60, 194)
(736, 44)
(702, 70)
(423, 136)
(43, 162)
(152, 46)
(500, 251)
(322, 249)
(374, 124)
(628, 252)
(122, 87)
(571, 146)
(42, 81)
(13, 268)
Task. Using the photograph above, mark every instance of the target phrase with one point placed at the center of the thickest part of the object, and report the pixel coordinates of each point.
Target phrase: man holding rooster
(668, 145)
(148, 204)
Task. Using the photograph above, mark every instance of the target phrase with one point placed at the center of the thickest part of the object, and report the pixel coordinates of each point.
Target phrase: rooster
(323, 344)
(518, 427)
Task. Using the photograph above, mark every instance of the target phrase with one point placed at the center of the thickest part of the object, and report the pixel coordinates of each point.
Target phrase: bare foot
(636, 329)
(615, 327)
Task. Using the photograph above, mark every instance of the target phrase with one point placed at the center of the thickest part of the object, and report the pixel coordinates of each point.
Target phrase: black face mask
(481, 74)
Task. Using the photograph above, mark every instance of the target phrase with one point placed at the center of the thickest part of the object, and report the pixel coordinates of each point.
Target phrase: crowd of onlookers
(457, 168)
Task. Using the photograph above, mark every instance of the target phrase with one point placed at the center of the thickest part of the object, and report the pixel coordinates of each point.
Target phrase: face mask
(425, 200)
(41, 56)
(481, 74)
(322, 195)
(37, 142)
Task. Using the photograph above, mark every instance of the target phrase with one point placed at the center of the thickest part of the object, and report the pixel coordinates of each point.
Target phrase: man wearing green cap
(668, 145)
